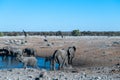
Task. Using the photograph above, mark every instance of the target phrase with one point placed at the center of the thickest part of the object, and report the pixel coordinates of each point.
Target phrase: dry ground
(91, 50)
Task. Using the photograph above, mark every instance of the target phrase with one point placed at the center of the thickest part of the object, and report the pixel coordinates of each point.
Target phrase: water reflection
(12, 62)
(9, 62)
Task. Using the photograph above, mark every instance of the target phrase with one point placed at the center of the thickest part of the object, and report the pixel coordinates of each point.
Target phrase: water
(9, 63)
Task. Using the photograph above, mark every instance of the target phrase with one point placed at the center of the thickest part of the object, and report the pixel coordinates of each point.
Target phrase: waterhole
(10, 62)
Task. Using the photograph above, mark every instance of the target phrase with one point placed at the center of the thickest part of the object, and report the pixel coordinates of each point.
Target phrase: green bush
(1, 34)
(75, 33)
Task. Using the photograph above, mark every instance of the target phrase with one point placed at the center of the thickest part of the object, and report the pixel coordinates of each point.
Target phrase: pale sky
(59, 15)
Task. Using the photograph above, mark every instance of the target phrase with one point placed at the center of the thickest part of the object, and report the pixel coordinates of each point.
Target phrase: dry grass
(91, 51)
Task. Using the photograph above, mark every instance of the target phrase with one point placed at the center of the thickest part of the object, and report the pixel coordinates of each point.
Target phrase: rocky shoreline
(93, 73)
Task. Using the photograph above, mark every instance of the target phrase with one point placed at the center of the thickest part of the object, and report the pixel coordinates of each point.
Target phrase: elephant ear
(71, 50)
(74, 48)
(23, 50)
(68, 51)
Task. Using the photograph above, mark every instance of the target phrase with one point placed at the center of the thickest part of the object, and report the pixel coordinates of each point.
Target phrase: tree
(1, 34)
(58, 33)
(75, 33)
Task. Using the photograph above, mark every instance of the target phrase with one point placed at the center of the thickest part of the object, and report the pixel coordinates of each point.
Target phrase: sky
(59, 15)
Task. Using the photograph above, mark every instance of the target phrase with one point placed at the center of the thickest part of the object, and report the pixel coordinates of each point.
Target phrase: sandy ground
(96, 58)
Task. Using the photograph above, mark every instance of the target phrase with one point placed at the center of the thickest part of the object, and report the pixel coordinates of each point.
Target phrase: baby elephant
(28, 61)
(29, 51)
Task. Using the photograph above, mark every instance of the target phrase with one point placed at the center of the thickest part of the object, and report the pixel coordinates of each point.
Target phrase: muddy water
(10, 62)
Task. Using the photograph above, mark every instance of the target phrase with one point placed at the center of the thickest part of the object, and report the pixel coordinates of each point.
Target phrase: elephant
(4, 53)
(29, 51)
(28, 61)
(13, 51)
(16, 52)
(64, 57)
(60, 56)
(71, 54)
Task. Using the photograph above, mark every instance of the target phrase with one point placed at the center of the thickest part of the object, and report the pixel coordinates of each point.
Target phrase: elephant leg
(45, 64)
(25, 65)
(61, 64)
(59, 67)
(54, 65)
(3, 57)
(51, 64)
(66, 63)
(71, 61)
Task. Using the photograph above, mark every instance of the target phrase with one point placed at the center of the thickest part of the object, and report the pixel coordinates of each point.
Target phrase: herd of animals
(63, 57)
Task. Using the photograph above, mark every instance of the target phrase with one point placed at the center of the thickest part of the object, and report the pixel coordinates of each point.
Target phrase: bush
(1, 34)
(75, 33)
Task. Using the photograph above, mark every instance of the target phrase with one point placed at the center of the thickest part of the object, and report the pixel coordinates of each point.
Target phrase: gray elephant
(4, 53)
(29, 51)
(28, 61)
(60, 56)
(13, 51)
(71, 54)
(64, 57)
